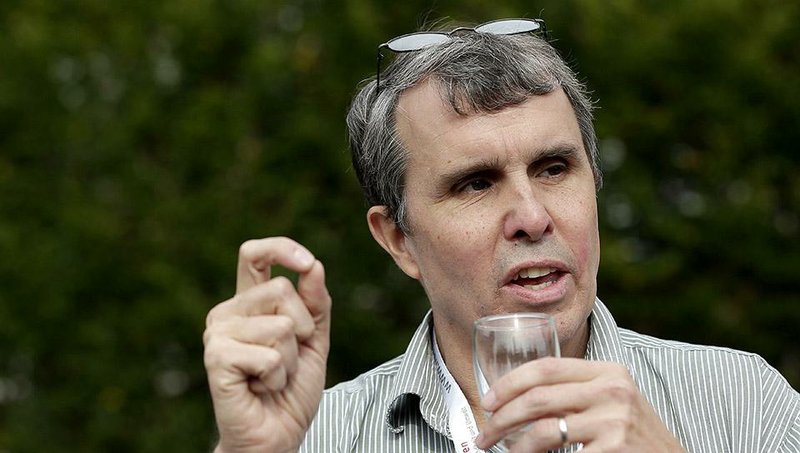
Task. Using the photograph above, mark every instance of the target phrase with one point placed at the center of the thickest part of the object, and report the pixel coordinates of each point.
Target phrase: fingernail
(488, 400)
(304, 257)
(479, 440)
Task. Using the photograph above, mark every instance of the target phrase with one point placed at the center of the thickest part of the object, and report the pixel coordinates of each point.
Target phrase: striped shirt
(712, 399)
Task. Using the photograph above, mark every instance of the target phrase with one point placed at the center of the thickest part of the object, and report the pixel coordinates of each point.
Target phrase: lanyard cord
(461, 423)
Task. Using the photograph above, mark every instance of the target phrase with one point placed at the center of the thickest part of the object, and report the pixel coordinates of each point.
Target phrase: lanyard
(463, 428)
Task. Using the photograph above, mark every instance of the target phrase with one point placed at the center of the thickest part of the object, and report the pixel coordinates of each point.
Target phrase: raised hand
(266, 349)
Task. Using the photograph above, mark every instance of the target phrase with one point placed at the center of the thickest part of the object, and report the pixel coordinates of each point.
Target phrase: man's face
(502, 212)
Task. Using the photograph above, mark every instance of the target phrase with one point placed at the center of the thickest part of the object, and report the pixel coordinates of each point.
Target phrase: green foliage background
(142, 142)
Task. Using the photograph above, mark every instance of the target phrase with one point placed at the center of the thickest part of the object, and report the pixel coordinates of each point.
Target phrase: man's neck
(458, 362)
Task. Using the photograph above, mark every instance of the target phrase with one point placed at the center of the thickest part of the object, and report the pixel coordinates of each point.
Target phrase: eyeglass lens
(508, 26)
(416, 41)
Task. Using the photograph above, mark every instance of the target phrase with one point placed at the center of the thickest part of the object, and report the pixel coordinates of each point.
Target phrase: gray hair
(475, 73)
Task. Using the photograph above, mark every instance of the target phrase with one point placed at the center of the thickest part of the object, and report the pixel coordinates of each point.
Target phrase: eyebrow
(482, 166)
(566, 151)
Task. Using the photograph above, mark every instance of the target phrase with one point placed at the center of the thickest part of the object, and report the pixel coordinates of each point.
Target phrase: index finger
(257, 256)
(544, 371)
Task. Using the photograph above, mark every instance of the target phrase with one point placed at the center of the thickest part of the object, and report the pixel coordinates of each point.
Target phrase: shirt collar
(417, 388)
(604, 340)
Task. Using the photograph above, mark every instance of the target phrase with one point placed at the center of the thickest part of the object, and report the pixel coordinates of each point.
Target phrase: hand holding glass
(503, 342)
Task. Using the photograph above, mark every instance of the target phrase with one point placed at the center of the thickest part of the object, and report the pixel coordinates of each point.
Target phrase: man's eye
(476, 185)
(554, 170)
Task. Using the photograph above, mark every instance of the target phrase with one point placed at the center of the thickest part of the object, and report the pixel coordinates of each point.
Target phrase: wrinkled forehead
(431, 131)
(432, 97)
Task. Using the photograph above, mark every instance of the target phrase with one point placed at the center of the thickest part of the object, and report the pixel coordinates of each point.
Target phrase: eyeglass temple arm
(378, 71)
(378, 68)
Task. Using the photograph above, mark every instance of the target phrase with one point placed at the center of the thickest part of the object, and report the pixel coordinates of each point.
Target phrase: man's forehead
(424, 100)
(424, 117)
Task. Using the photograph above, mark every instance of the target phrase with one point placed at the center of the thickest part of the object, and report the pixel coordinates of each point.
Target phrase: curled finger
(534, 404)
(276, 332)
(277, 296)
(550, 434)
(231, 364)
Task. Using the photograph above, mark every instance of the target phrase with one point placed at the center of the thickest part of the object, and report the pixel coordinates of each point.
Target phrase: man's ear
(392, 239)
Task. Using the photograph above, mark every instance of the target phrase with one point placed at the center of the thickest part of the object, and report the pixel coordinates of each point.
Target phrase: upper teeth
(535, 272)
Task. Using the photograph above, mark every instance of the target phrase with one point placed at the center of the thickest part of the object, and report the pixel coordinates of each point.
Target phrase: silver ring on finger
(562, 429)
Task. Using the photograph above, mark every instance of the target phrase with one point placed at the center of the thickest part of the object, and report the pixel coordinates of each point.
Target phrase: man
(478, 157)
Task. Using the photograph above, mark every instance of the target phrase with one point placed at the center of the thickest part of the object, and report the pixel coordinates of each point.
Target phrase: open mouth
(535, 278)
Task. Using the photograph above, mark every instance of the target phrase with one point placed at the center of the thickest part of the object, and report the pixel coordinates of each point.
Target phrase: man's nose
(527, 217)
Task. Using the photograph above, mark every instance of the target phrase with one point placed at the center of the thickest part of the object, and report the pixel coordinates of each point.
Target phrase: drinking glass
(501, 343)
